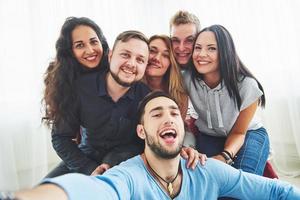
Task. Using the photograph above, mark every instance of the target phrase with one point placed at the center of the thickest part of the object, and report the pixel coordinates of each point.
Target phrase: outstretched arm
(45, 192)
(236, 137)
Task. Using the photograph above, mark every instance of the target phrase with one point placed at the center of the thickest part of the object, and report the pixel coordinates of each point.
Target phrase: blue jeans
(252, 156)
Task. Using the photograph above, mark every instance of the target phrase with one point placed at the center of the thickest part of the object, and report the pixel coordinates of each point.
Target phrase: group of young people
(97, 106)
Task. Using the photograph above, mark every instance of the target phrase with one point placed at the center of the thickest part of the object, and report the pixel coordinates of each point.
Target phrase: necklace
(169, 183)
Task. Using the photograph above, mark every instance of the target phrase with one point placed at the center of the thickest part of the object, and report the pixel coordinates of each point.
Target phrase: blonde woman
(162, 72)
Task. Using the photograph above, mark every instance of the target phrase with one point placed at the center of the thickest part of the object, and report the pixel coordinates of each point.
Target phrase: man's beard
(119, 81)
(160, 151)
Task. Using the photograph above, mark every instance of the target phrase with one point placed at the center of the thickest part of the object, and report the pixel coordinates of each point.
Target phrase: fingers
(97, 171)
(191, 155)
(183, 153)
(202, 158)
(195, 161)
(100, 169)
(192, 158)
(105, 167)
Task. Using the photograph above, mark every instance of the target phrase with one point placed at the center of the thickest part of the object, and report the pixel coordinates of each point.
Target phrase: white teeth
(203, 62)
(168, 131)
(127, 71)
(183, 54)
(91, 58)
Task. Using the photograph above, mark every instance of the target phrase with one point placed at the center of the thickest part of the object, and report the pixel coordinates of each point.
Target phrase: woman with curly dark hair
(80, 49)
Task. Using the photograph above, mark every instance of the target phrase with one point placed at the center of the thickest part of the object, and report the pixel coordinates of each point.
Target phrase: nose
(203, 53)
(89, 49)
(157, 58)
(181, 46)
(131, 62)
(168, 119)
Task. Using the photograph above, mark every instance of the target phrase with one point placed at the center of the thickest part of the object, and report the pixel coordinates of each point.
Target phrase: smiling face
(162, 127)
(128, 61)
(183, 36)
(86, 46)
(205, 56)
(159, 59)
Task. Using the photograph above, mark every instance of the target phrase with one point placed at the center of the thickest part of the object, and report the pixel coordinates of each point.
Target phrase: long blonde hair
(172, 79)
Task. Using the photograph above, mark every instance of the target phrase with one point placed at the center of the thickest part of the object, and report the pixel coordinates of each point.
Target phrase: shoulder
(247, 83)
(90, 79)
(141, 89)
(216, 169)
(89, 83)
(128, 167)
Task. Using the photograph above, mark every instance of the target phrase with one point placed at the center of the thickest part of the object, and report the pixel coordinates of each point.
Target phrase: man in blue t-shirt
(160, 172)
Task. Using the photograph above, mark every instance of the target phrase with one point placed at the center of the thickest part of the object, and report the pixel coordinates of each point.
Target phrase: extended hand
(100, 169)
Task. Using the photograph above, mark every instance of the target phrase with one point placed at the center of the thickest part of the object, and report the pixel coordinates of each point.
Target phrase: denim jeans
(252, 156)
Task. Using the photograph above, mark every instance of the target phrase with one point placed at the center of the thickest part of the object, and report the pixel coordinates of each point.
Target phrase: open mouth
(201, 62)
(168, 135)
(182, 54)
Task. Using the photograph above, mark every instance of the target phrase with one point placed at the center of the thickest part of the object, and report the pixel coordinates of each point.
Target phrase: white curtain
(266, 34)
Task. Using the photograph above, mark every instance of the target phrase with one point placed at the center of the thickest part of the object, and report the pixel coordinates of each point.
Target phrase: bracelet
(7, 196)
(229, 154)
(227, 158)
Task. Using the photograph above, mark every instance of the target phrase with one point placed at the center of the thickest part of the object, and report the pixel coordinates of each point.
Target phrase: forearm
(45, 192)
(234, 142)
(73, 157)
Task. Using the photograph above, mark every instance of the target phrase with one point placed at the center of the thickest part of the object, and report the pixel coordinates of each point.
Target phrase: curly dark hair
(59, 95)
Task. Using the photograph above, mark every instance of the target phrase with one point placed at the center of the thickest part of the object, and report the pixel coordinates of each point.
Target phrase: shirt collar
(102, 87)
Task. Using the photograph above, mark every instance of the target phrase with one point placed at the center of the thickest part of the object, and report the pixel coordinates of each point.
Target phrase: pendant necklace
(169, 183)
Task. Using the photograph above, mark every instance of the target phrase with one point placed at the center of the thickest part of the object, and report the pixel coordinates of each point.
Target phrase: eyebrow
(172, 107)
(155, 48)
(188, 37)
(80, 41)
(127, 51)
(206, 45)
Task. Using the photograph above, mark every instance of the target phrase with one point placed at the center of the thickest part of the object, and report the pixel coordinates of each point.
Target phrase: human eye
(175, 113)
(125, 55)
(212, 48)
(189, 40)
(156, 114)
(78, 45)
(197, 47)
(175, 41)
(94, 42)
(166, 55)
(153, 51)
(140, 60)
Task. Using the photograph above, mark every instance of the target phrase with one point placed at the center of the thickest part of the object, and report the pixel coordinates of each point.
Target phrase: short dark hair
(127, 35)
(146, 99)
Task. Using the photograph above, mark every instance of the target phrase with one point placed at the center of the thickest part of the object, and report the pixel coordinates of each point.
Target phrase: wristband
(227, 158)
(229, 154)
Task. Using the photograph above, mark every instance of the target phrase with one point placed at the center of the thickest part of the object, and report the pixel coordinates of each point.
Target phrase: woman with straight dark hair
(81, 48)
(226, 95)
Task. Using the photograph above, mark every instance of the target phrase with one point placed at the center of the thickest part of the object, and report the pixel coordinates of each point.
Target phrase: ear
(109, 56)
(140, 131)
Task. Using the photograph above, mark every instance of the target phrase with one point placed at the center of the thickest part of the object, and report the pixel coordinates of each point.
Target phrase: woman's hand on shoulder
(193, 156)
